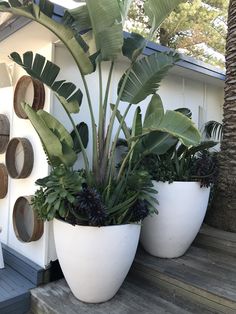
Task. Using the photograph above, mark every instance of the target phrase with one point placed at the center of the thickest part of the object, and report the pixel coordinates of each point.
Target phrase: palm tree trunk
(222, 213)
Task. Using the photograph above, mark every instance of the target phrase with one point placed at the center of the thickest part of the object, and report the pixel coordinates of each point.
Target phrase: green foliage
(213, 130)
(145, 75)
(56, 140)
(42, 14)
(103, 195)
(47, 72)
(65, 194)
(180, 163)
(56, 195)
(192, 27)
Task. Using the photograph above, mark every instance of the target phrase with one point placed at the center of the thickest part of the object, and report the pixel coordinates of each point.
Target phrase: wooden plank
(14, 292)
(214, 244)
(193, 279)
(217, 233)
(18, 305)
(179, 290)
(212, 256)
(24, 266)
(132, 298)
(12, 284)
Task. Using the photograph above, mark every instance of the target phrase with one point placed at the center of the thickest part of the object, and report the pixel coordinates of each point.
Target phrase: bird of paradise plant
(120, 190)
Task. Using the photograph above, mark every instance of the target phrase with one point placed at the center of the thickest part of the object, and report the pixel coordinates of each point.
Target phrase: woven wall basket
(28, 158)
(20, 95)
(3, 181)
(26, 225)
(4, 133)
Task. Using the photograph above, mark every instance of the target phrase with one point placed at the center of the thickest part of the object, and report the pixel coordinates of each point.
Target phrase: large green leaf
(157, 143)
(78, 18)
(107, 27)
(82, 128)
(133, 46)
(145, 76)
(47, 72)
(203, 145)
(137, 123)
(158, 10)
(155, 106)
(214, 130)
(56, 140)
(42, 14)
(124, 8)
(176, 124)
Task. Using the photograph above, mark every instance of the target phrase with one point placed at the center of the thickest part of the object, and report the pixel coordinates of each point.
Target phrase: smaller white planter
(95, 260)
(182, 208)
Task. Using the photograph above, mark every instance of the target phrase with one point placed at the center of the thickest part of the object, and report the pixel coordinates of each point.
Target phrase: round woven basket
(3, 181)
(28, 158)
(27, 226)
(4, 133)
(20, 95)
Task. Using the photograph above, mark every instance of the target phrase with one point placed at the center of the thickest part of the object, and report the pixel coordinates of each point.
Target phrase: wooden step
(14, 292)
(18, 277)
(134, 297)
(201, 276)
(217, 240)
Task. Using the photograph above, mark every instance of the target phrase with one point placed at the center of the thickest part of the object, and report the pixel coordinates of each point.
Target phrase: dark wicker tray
(20, 93)
(28, 161)
(27, 226)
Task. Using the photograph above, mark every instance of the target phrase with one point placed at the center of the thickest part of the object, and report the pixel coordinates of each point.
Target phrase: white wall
(177, 90)
(36, 251)
(203, 98)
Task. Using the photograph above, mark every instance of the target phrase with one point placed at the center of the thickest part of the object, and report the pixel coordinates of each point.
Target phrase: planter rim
(176, 182)
(96, 227)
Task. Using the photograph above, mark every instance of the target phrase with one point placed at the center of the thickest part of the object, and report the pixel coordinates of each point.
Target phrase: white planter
(95, 260)
(182, 207)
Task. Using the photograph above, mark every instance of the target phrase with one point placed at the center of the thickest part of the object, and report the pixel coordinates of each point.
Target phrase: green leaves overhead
(145, 76)
(107, 27)
(133, 46)
(43, 15)
(157, 11)
(47, 72)
(56, 140)
(78, 18)
(124, 8)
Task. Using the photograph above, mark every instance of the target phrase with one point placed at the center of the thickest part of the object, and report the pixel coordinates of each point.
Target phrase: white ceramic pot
(95, 260)
(182, 208)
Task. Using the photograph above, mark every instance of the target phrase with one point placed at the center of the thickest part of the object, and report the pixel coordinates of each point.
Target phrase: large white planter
(182, 208)
(95, 260)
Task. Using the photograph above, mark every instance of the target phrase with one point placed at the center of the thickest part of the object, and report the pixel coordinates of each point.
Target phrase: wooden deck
(132, 298)
(19, 276)
(202, 281)
(205, 277)
(14, 292)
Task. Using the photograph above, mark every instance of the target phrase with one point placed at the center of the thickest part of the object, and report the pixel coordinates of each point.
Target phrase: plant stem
(101, 114)
(122, 167)
(85, 157)
(113, 149)
(112, 120)
(107, 94)
(94, 127)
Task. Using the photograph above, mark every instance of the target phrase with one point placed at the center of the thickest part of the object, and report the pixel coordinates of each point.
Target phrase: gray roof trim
(185, 62)
(12, 27)
(189, 62)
